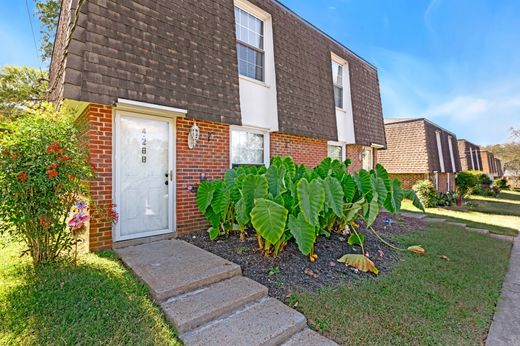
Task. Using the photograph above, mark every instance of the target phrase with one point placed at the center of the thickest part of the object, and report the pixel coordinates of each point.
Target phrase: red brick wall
(303, 150)
(96, 125)
(210, 156)
(408, 180)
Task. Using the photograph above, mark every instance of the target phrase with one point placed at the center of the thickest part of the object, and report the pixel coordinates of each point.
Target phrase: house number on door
(143, 146)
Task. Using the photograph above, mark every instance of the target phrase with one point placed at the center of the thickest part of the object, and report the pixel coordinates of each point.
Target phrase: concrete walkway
(505, 329)
(210, 302)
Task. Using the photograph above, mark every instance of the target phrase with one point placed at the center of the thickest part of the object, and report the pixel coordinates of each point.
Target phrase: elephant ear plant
(289, 202)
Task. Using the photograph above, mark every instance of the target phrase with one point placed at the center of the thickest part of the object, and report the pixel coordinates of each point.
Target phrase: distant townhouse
(418, 149)
(175, 91)
(469, 156)
(490, 165)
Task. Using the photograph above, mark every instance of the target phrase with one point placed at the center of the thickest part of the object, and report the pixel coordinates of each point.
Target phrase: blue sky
(456, 62)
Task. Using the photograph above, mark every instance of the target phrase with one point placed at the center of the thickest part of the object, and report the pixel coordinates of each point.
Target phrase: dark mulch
(286, 273)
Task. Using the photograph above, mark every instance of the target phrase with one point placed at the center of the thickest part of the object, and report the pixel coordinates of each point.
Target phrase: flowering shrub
(426, 193)
(43, 170)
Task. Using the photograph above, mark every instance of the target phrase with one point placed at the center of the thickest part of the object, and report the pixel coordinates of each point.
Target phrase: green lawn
(423, 300)
(99, 302)
(500, 215)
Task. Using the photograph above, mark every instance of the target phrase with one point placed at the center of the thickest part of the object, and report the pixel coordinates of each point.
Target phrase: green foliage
(501, 183)
(48, 12)
(43, 172)
(426, 193)
(465, 182)
(287, 201)
(20, 88)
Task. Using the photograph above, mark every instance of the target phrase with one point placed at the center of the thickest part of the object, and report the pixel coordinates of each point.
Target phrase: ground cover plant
(447, 297)
(43, 172)
(286, 201)
(99, 302)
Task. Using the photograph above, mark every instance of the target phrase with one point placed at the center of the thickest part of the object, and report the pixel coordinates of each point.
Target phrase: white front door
(144, 176)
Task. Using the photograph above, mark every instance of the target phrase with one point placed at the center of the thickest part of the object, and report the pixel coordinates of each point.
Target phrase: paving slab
(502, 237)
(268, 322)
(413, 215)
(457, 224)
(505, 328)
(478, 230)
(309, 337)
(173, 267)
(434, 220)
(193, 309)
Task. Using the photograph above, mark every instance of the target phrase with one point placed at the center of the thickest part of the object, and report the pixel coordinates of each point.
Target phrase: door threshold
(145, 240)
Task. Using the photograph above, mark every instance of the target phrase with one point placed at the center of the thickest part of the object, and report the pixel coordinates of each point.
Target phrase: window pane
(251, 29)
(247, 148)
(335, 152)
(338, 96)
(337, 74)
(367, 154)
(250, 62)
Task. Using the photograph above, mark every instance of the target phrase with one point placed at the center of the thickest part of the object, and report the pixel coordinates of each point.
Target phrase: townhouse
(418, 149)
(470, 158)
(490, 165)
(170, 92)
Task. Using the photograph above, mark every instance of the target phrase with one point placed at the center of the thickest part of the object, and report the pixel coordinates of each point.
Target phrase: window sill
(252, 80)
(342, 110)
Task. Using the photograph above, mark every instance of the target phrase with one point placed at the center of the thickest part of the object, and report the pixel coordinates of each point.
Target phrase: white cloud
(463, 108)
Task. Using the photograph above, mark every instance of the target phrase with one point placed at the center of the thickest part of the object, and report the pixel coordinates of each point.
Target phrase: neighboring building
(469, 156)
(418, 149)
(490, 166)
(500, 169)
(172, 91)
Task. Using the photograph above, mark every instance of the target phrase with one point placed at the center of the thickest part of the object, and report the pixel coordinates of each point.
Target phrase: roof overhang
(149, 108)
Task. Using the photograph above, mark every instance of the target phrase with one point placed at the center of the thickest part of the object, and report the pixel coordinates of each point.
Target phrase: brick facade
(408, 180)
(210, 156)
(96, 124)
(303, 150)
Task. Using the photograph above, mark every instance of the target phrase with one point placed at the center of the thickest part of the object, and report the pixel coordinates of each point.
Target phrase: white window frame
(345, 78)
(254, 130)
(362, 156)
(439, 149)
(343, 148)
(265, 17)
(477, 156)
(471, 156)
(452, 156)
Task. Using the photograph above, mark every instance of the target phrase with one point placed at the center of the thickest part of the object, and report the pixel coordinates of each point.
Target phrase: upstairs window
(250, 44)
(337, 78)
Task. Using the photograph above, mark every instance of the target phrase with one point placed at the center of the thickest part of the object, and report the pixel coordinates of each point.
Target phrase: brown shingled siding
(182, 53)
(465, 155)
(433, 152)
(406, 148)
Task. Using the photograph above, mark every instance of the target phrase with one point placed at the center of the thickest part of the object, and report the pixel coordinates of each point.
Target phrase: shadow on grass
(99, 302)
(510, 195)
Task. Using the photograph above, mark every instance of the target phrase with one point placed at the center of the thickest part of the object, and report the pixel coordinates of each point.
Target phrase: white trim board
(149, 109)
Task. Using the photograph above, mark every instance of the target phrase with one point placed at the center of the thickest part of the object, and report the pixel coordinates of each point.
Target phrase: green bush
(501, 183)
(466, 182)
(286, 201)
(446, 199)
(43, 169)
(426, 193)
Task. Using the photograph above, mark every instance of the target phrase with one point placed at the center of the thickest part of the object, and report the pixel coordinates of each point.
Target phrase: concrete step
(173, 267)
(309, 337)
(503, 237)
(457, 224)
(195, 308)
(267, 322)
(478, 230)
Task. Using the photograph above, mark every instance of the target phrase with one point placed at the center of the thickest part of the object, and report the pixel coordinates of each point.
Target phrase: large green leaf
(221, 199)
(275, 177)
(268, 219)
(383, 174)
(324, 168)
(378, 185)
(205, 195)
(241, 214)
(373, 210)
(253, 186)
(290, 166)
(303, 232)
(351, 212)
(230, 177)
(394, 197)
(363, 183)
(349, 187)
(411, 195)
(311, 199)
(333, 195)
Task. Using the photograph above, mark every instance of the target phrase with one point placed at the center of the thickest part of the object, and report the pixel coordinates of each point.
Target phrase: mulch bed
(291, 271)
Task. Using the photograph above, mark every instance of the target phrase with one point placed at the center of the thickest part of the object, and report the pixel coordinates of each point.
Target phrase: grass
(500, 215)
(99, 302)
(423, 300)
